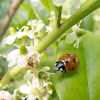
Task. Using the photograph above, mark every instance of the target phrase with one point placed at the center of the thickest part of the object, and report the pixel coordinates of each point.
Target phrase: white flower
(62, 16)
(19, 34)
(97, 17)
(58, 2)
(42, 76)
(53, 16)
(5, 95)
(21, 60)
(44, 70)
(28, 75)
(65, 16)
(12, 57)
(32, 90)
(72, 36)
(36, 42)
(48, 29)
(10, 39)
(37, 25)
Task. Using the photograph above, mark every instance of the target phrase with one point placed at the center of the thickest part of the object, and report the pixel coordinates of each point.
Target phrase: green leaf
(46, 4)
(40, 11)
(84, 85)
(88, 23)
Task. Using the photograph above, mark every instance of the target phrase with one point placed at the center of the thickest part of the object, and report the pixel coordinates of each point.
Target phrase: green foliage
(40, 11)
(3, 63)
(83, 85)
(46, 4)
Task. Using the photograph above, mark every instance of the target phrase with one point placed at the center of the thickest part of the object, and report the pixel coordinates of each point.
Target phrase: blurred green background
(40, 9)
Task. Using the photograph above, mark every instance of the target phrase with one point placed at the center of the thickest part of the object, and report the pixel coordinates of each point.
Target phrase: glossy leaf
(46, 4)
(84, 85)
(40, 11)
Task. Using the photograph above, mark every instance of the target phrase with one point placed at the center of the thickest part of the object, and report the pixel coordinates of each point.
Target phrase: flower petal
(22, 60)
(71, 38)
(39, 27)
(13, 55)
(48, 28)
(20, 34)
(58, 2)
(36, 42)
(74, 28)
(5, 95)
(31, 52)
(10, 39)
(25, 89)
(30, 34)
(35, 83)
(44, 69)
(76, 45)
(52, 18)
(12, 63)
(28, 75)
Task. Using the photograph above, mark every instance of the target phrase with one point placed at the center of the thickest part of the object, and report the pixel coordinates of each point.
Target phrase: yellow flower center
(35, 91)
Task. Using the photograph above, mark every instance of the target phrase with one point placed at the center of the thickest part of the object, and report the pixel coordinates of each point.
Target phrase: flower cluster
(25, 31)
(39, 87)
(25, 39)
(15, 57)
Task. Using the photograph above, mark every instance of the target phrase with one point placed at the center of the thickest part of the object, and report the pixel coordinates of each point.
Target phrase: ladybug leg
(65, 71)
(61, 75)
(77, 72)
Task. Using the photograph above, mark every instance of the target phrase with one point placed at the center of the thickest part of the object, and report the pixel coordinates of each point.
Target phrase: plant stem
(57, 11)
(56, 32)
(13, 8)
(59, 17)
(9, 75)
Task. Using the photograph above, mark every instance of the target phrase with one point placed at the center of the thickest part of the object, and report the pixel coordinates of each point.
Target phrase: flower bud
(43, 75)
(79, 33)
(39, 36)
(35, 91)
(26, 28)
(23, 50)
(12, 31)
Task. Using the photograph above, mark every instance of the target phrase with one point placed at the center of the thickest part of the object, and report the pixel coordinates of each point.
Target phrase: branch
(56, 32)
(9, 16)
(15, 81)
(59, 17)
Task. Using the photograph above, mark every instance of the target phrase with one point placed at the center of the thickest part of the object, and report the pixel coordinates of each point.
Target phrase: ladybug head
(59, 65)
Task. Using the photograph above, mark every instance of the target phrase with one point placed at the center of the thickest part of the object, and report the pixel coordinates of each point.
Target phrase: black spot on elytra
(69, 54)
(74, 61)
(72, 68)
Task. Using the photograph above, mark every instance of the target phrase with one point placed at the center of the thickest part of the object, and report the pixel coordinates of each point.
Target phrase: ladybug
(67, 63)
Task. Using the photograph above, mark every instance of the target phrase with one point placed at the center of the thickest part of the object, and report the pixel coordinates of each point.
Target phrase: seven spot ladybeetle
(68, 62)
